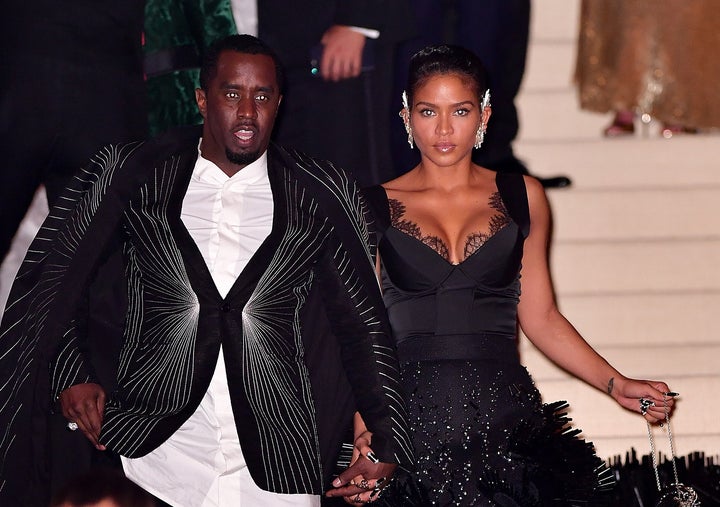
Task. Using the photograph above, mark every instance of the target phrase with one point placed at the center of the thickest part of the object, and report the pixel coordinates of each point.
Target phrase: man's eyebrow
(230, 84)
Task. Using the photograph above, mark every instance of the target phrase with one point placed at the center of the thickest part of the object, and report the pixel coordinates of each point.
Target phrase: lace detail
(497, 222)
(397, 210)
(474, 240)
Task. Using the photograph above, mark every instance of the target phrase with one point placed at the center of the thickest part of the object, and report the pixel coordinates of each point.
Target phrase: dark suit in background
(70, 81)
(343, 121)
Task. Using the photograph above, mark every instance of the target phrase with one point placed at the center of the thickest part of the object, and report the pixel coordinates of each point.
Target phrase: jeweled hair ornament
(485, 100)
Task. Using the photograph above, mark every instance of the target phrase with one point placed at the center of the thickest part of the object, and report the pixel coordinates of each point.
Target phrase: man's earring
(479, 136)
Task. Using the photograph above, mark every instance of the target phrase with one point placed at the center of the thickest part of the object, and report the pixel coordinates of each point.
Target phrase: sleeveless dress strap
(514, 194)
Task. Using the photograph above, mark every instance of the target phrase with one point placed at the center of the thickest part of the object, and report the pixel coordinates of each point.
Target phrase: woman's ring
(645, 405)
(72, 426)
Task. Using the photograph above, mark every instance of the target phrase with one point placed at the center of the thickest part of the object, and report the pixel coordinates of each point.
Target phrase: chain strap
(678, 494)
(653, 450)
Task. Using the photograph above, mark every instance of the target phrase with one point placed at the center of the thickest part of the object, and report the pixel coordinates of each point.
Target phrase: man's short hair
(241, 43)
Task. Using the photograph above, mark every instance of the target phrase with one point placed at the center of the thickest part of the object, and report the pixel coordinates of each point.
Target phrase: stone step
(583, 268)
(550, 66)
(615, 430)
(641, 361)
(555, 114)
(554, 20)
(630, 320)
(672, 214)
(598, 163)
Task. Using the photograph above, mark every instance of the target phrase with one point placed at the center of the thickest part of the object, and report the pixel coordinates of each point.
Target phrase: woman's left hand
(652, 399)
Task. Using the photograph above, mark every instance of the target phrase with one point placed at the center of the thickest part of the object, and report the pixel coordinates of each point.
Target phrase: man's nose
(246, 108)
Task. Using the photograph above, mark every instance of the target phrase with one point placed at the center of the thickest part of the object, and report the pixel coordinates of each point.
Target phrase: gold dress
(660, 57)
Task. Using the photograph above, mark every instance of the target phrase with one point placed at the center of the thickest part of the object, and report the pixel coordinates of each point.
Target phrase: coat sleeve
(357, 319)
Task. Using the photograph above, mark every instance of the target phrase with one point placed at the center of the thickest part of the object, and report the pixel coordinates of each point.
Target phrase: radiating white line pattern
(31, 299)
(157, 359)
(347, 195)
(156, 370)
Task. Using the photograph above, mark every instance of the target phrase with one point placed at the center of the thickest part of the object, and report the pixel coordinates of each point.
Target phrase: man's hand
(84, 404)
(342, 53)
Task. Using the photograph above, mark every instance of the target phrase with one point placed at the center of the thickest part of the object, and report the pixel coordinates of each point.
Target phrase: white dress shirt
(202, 463)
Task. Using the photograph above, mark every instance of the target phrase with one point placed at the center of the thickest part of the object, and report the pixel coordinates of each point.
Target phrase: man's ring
(72, 426)
(363, 484)
(357, 499)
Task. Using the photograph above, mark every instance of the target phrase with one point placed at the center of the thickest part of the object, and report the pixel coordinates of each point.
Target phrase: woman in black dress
(463, 260)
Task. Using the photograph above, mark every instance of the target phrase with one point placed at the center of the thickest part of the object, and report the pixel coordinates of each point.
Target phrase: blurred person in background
(338, 56)
(649, 60)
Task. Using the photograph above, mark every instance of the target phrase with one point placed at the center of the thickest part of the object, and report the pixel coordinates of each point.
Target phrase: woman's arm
(555, 337)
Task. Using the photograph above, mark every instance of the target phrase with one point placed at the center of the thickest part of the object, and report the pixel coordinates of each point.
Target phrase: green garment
(177, 32)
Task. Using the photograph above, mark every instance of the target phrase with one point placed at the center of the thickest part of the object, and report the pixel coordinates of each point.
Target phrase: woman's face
(445, 117)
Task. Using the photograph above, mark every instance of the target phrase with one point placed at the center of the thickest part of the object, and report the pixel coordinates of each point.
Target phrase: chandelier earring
(480, 135)
(410, 140)
(405, 115)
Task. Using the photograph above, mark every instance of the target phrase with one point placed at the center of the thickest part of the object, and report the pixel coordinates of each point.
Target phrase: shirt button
(225, 307)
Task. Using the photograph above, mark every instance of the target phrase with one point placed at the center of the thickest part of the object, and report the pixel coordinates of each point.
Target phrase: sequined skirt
(483, 437)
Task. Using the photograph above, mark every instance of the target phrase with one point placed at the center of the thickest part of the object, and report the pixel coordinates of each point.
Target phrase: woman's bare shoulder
(402, 184)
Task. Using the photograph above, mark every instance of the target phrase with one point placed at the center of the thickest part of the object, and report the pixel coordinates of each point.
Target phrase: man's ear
(201, 102)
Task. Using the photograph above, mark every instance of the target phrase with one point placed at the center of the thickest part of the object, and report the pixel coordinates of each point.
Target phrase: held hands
(647, 397)
(342, 53)
(365, 478)
(84, 404)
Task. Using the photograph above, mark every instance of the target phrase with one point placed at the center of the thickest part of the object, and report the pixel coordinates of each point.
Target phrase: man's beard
(242, 158)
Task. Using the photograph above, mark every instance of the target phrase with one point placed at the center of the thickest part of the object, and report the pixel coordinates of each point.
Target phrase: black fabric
(71, 81)
(32, 324)
(345, 121)
(480, 433)
(72, 247)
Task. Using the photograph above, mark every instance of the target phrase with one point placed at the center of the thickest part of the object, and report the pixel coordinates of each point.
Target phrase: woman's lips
(444, 147)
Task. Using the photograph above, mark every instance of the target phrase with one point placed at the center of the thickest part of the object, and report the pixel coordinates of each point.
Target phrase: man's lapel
(278, 173)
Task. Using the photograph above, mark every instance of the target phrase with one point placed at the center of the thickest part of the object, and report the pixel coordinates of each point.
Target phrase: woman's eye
(427, 112)
(462, 112)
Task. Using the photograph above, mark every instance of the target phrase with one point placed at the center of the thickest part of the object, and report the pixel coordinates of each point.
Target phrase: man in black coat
(148, 336)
